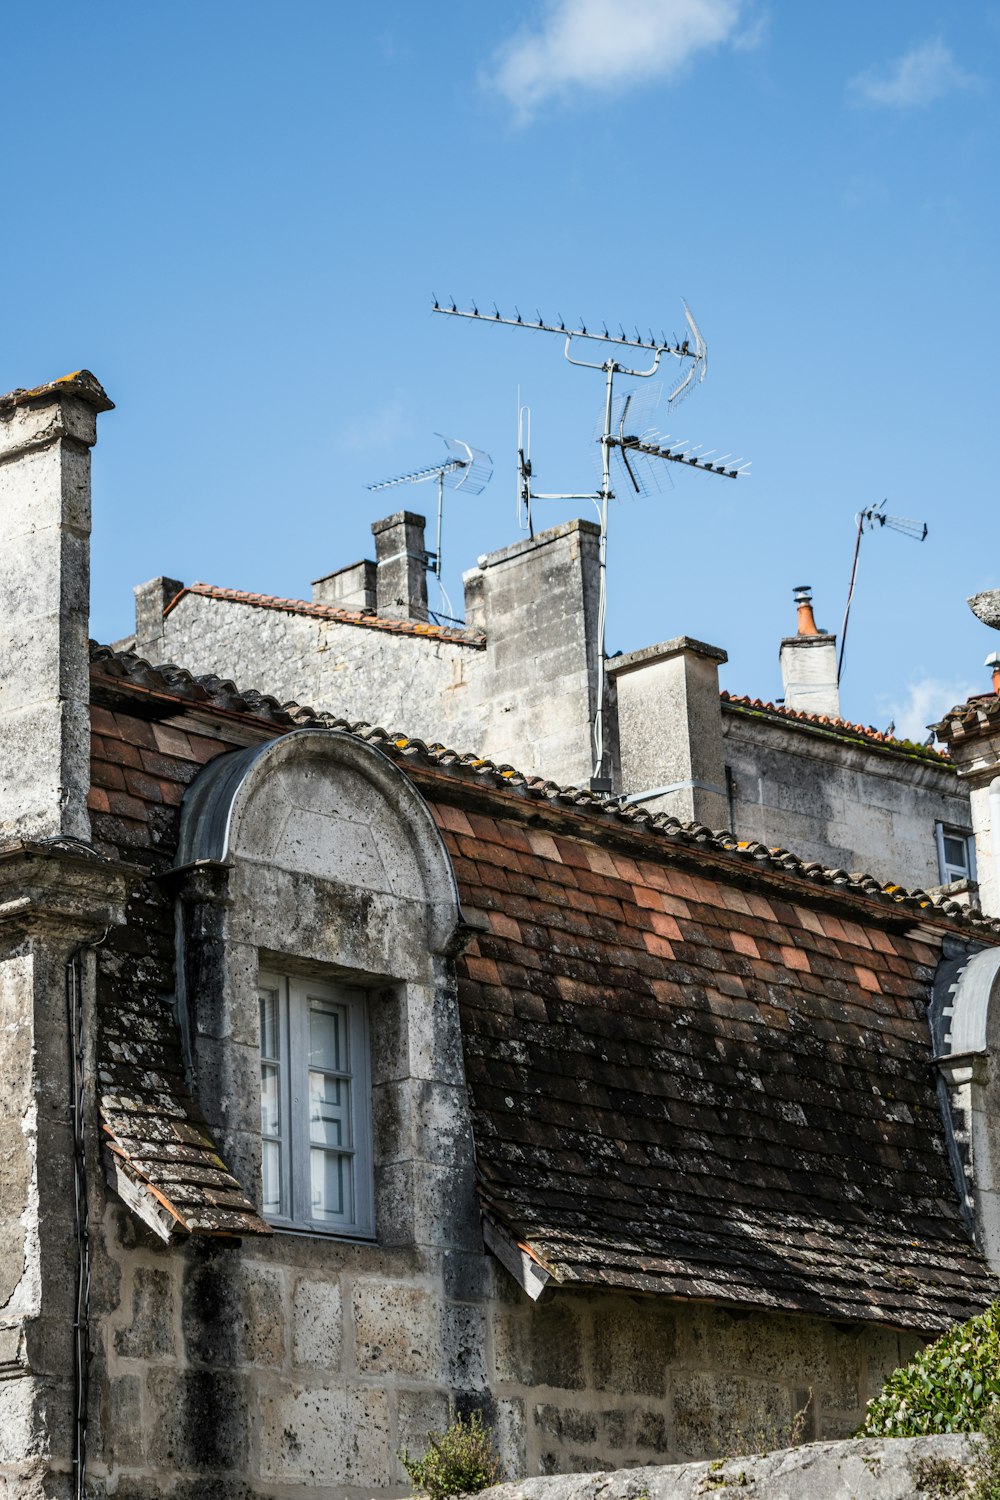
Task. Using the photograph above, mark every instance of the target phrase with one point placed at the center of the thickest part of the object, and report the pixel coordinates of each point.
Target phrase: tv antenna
(632, 449)
(464, 468)
(867, 520)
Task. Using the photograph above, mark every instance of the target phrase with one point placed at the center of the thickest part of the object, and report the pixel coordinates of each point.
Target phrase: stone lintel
(63, 886)
(680, 645)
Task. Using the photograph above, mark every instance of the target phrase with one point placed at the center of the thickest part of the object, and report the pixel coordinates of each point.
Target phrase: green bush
(459, 1461)
(986, 1469)
(952, 1385)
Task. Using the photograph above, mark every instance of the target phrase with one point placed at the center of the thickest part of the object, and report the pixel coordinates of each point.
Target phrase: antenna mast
(692, 356)
(867, 520)
(465, 468)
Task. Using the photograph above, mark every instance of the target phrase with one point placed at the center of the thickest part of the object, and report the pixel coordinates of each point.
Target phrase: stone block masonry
(307, 1365)
(864, 1469)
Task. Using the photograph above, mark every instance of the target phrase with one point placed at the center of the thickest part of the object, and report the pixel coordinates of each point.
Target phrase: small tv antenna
(867, 520)
(631, 448)
(464, 468)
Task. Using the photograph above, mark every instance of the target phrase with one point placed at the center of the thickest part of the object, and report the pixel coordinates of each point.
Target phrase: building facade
(351, 1081)
(519, 684)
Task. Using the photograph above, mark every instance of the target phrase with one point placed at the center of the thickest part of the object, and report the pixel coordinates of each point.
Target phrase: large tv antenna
(464, 468)
(633, 449)
(867, 520)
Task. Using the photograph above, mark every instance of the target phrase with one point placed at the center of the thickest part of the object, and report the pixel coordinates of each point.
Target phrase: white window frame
(295, 993)
(947, 871)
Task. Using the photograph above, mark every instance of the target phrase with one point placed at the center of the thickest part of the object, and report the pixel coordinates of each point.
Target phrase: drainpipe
(995, 838)
(81, 1302)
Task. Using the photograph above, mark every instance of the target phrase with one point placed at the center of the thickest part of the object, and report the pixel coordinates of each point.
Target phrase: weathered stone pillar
(53, 899)
(45, 440)
(670, 730)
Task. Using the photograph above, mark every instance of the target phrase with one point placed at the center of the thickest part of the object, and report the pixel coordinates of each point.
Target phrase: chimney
(809, 663)
(537, 604)
(670, 730)
(354, 587)
(401, 566)
(993, 661)
(151, 599)
(45, 439)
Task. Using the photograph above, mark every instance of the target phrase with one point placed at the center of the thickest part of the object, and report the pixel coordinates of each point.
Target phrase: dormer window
(315, 1114)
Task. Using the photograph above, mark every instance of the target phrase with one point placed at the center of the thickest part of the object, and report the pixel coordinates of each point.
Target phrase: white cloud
(925, 73)
(607, 45)
(926, 701)
(379, 427)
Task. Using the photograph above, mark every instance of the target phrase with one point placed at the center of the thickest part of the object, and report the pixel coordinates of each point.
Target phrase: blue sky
(236, 216)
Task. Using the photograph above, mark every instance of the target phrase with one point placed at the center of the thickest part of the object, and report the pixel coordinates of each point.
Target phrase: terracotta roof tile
(840, 728)
(977, 715)
(685, 1118)
(176, 684)
(366, 618)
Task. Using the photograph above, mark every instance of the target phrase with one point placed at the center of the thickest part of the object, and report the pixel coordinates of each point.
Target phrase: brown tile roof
(684, 1085)
(832, 727)
(331, 612)
(696, 1067)
(978, 714)
(154, 1129)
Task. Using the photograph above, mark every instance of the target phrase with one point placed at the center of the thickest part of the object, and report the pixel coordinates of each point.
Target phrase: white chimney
(809, 663)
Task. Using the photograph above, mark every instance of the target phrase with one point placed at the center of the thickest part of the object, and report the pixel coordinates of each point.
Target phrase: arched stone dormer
(314, 857)
(966, 1027)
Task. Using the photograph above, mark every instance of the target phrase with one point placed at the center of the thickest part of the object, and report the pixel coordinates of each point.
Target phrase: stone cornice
(62, 886)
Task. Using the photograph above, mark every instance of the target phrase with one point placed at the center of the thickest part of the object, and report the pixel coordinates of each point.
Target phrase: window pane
(272, 1177)
(329, 1110)
(270, 1101)
(327, 1037)
(956, 852)
(269, 1041)
(332, 1186)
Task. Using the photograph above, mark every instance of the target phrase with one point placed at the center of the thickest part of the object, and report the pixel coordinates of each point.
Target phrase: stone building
(519, 684)
(349, 1081)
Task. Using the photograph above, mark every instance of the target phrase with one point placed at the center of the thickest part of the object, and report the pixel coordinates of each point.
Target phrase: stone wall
(301, 1366)
(526, 698)
(849, 806)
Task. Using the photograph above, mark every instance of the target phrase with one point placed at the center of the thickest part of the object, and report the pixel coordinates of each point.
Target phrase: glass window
(314, 1105)
(956, 854)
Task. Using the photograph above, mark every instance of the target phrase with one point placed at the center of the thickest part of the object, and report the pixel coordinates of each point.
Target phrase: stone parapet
(859, 1469)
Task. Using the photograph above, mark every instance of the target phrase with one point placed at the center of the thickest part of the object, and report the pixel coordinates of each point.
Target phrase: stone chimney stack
(537, 604)
(401, 566)
(809, 663)
(670, 730)
(45, 439)
(354, 587)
